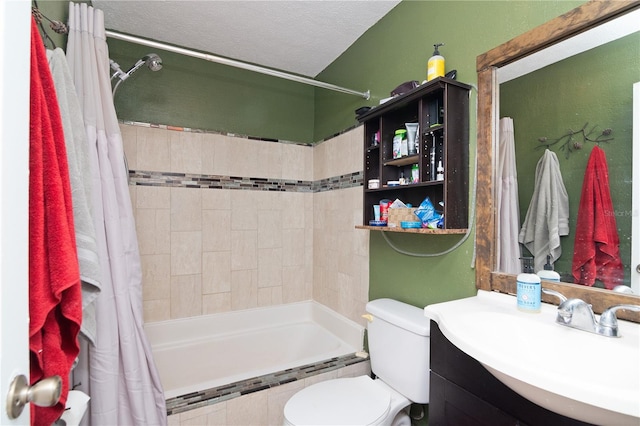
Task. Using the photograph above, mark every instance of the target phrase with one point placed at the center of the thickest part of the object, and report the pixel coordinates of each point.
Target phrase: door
(15, 39)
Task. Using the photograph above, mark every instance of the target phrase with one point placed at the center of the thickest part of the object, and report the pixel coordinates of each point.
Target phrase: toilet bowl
(398, 336)
(348, 401)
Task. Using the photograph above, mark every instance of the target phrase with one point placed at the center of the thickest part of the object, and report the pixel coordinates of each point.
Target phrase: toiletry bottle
(384, 210)
(548, 273)
(435, 66)
(404, 144)
(397, 142)
(528, 287)
(440, 170)
(412, 137)
(415, 173)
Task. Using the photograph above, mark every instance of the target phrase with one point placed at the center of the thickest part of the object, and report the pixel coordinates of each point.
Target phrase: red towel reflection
(597, 246)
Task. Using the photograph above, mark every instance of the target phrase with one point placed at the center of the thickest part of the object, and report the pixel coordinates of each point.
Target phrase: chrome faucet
(609, 323)
(576, 313)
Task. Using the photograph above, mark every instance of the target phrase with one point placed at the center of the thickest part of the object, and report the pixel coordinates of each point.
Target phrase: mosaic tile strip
(339, 182)
(212, 396)
(189, 180)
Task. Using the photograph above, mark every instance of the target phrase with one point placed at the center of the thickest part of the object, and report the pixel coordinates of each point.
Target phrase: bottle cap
(548, 266)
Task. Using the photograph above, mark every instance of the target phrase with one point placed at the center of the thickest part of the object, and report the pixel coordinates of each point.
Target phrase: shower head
(152, 61)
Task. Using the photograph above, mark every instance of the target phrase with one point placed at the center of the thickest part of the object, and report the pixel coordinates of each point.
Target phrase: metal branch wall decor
(574, 140)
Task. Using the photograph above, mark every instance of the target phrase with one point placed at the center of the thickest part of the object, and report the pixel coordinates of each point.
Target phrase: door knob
(45, 393)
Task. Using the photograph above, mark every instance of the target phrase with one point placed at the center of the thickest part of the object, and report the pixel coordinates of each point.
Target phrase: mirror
(535, 49)
(576, 95)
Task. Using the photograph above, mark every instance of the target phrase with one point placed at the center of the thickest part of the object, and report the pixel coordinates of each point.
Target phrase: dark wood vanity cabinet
(441, 109)
(463, 393)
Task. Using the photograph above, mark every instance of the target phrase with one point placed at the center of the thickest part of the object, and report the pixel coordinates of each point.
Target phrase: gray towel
(79, 177)
(548, 215)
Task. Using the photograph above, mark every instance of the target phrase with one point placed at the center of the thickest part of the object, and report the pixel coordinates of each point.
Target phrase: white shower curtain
(508, 220)
(117, 372)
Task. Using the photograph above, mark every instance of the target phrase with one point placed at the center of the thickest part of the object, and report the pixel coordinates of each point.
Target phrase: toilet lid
(348, 401)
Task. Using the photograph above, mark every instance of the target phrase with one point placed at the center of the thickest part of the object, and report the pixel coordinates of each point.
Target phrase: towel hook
(56, 26)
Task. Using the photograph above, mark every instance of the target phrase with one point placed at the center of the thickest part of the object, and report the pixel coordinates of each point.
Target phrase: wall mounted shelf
(441, 109)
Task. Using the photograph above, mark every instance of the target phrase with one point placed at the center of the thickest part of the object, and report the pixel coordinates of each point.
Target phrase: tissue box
(401, 215)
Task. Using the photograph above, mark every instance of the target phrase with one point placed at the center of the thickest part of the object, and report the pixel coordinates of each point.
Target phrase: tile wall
(227, 222)
(340, 252)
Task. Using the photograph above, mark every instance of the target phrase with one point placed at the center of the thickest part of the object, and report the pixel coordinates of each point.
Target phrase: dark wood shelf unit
(441, 107)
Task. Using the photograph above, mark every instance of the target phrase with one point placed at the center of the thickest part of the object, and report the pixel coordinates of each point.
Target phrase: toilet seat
(347, 401)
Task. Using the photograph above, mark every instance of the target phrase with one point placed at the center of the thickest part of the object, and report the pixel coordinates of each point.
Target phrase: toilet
(399, 351)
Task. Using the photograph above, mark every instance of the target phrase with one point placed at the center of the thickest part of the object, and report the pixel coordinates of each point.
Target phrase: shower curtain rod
(234, 63)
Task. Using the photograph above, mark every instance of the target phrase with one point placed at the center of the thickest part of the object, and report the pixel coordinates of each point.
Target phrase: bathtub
(198, 353)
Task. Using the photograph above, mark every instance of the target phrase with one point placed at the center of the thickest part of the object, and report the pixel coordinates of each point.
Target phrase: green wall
(595, 88)
(191, 92)
(398, 47)
(394, 51)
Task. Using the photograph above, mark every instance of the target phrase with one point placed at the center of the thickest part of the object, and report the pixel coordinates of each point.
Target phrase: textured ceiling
(297, 36)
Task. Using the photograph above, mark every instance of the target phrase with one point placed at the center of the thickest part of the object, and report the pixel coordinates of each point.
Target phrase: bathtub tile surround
(228, 222)
(258, 401)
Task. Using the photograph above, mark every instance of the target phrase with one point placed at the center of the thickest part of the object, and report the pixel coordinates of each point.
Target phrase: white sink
(578, 374)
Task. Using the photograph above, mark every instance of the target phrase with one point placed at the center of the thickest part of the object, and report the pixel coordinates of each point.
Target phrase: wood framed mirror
(577, 21)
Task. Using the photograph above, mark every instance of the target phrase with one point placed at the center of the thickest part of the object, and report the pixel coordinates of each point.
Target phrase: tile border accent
(206, 397)
(191, 180)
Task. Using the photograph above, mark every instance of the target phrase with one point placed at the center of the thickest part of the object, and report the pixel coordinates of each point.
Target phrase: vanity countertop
(571, 372)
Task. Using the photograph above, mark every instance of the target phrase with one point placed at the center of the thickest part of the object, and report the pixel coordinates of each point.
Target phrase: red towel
(55, 300)
(596, 252)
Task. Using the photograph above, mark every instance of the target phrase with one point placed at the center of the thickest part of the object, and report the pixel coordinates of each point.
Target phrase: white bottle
(528, 288)
(548, 273)
(440, 175)
(404, 146)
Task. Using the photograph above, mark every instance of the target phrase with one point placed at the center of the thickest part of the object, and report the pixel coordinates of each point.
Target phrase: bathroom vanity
(494, 364)
(463, 392)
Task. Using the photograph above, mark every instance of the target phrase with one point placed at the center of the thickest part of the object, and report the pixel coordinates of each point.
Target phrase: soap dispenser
(528, 287)
(548, 273)
(435, 65)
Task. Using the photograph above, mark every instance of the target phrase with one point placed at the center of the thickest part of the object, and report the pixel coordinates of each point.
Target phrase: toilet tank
(398, 338)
